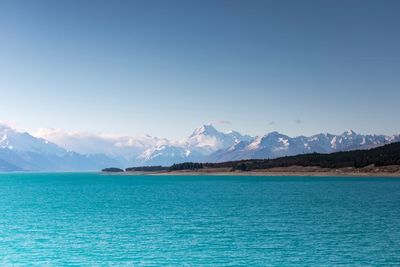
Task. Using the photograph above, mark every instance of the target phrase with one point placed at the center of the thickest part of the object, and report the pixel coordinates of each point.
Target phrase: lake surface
(91, 219)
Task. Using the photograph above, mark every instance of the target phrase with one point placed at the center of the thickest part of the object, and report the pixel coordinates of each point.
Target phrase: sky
(166, 67)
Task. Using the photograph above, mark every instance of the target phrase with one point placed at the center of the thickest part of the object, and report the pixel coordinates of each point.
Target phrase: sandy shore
(370, 171)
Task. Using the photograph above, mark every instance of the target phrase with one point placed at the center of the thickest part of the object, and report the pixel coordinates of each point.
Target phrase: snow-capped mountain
(169, 154)
(58, 150)
(22, 141)
(204, 141)
(125, 149)
(206, 144)
(275, 145)
(20, 151)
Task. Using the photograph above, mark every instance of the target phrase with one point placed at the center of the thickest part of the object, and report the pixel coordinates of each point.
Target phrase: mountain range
(55, 150)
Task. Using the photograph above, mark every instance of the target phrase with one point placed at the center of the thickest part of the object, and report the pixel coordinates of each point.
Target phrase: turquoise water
(92, 219)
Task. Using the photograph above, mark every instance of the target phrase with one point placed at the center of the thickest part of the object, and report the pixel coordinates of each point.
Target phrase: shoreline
(387, 172)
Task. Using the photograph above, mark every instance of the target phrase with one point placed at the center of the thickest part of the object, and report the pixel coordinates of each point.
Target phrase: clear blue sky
(165, 67)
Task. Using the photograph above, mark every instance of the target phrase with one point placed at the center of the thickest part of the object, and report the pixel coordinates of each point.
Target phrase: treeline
(147, 169)
(186, 166)
(112, 169)
(380, 156)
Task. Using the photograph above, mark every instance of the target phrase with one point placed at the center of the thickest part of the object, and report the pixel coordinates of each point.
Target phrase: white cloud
(11, 124)
(95, 143)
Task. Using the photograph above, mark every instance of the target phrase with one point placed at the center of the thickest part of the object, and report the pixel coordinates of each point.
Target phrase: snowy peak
(22, 151)
(272, 138)
(88, 151)
(203, 142)
(23, 141)
(275, 144)
(349, 133)
(273, 134)
(238, 137)
(206, 129)
(206, 139)
(208, 144)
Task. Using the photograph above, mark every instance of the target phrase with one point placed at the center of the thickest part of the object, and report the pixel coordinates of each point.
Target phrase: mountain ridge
(57, 150)
(20, 151)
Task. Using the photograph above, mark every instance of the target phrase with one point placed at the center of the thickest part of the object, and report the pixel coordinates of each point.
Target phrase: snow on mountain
(124, 148)
(22, 151)
(22, 141)
(206, 139)
(275, 145)
(167, 155)
(350, 140)
(208, 144)
(394, 138)
(59, 150)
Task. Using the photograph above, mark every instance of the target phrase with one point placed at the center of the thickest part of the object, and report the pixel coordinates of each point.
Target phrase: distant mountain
(206, 144)
(62, 151)
(22, 141)
(274, 145)
(372, 160)
(166, 155)
(21, 151)
(125, 149)
(7, 167)
(204, 141)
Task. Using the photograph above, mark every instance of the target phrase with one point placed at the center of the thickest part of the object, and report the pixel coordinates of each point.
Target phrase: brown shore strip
(369, 171)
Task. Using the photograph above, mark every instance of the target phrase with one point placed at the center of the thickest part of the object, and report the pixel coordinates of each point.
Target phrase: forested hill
(380, 156)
